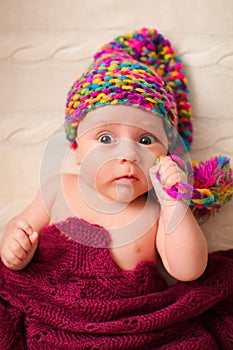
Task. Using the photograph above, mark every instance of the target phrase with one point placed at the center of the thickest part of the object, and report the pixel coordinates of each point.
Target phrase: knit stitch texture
(139, 69)
(73, 296)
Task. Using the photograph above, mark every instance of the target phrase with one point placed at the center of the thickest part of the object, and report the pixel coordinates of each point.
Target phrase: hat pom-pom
(212, 186)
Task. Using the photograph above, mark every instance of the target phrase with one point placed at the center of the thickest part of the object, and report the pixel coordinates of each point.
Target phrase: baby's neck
(126, 219)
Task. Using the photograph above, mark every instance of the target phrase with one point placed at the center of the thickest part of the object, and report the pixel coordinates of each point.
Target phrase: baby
(121, 119)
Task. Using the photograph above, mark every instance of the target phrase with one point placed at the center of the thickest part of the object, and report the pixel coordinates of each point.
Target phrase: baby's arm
(180, 241)
(21, 237)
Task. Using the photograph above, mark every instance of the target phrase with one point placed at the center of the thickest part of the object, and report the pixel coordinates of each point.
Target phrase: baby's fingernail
(34, 237)
(30, 231)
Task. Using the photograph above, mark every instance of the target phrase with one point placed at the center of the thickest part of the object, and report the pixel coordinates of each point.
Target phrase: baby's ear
(77, 155)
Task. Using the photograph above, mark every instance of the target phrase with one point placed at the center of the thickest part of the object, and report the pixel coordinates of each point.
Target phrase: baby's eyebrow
(104, 124)
(93, 128)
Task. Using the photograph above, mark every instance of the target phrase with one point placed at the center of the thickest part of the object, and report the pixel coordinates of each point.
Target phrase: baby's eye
(147, 139)
(106, 138)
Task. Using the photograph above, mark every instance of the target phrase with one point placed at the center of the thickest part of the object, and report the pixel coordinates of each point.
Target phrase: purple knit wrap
(75, 297)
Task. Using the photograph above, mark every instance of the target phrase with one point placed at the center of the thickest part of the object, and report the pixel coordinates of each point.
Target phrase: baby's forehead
(121, 115)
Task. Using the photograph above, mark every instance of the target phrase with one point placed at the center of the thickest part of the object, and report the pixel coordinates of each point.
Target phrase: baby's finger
(34, 238)
(25, 226)
(167, 161)
(173, 177)
(18, 250)
(171, 180)
(166, 171)
(10, 259)
(22, 239)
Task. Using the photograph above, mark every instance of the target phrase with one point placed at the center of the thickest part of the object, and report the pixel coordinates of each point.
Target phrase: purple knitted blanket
(72, 296)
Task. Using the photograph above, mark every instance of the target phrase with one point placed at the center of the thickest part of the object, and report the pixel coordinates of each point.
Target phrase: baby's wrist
(171, 203)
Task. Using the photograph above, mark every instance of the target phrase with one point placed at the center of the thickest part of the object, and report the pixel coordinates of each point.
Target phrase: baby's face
(117, 145)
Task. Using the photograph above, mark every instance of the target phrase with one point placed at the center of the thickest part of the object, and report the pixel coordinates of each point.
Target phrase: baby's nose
(128, 151)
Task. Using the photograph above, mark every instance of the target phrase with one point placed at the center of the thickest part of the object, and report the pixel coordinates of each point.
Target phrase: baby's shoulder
(69, 183)
(58, 195)
(68, 178)
(61, 179)
(57, 184)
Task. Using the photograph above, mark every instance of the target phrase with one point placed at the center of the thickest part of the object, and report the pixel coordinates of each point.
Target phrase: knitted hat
(142, 70)
(139, 70)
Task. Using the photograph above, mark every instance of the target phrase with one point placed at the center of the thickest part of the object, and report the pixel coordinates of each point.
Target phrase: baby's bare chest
(142, 248)
(132, 229)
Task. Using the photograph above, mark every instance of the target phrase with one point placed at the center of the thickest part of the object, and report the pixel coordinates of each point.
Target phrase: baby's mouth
(129, 178)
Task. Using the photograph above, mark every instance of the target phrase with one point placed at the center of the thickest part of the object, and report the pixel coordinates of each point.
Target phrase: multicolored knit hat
(139, 69)
(142, 70)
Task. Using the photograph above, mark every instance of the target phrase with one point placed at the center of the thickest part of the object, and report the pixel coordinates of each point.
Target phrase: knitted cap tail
(152, 49)
(212, 186)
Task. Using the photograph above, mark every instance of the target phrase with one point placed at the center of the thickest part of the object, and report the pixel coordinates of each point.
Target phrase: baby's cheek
(159, 150)
(145, 177)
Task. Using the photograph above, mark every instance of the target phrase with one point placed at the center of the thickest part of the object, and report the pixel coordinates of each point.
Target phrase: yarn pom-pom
(212, 186)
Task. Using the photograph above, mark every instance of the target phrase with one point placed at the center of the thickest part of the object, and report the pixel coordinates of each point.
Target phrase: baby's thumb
(154, 175)
(156, 182)
(34, 239)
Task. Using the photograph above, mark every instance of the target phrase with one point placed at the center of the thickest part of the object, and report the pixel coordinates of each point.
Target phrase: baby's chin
(125, 194)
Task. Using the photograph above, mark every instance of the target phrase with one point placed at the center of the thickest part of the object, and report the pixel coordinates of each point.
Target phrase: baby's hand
(18, 245)
(169, 174)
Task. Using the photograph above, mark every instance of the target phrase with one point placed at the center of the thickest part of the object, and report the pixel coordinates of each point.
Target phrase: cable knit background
(45, 44)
